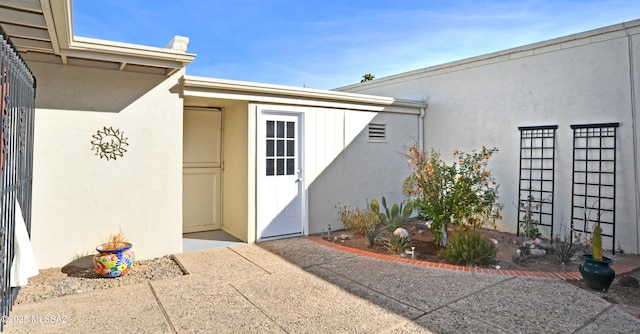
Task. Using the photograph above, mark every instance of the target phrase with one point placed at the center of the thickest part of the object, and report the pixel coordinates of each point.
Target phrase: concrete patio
(301, 286)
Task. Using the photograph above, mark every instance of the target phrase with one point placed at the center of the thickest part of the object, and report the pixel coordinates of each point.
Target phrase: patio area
(301, 286)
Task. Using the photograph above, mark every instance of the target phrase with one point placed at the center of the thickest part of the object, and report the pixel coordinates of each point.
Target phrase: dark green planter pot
(597, 274)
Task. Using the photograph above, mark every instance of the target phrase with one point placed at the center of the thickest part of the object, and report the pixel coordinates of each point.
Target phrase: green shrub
(462, 192)
(528, 223)
(359, 220)
(470, 248)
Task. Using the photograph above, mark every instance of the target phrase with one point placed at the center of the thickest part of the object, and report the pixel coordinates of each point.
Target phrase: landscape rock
(424, 225)
(537, 252)
(540, 243)
(400, 232)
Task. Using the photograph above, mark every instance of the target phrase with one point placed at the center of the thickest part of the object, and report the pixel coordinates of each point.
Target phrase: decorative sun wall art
(109, 143)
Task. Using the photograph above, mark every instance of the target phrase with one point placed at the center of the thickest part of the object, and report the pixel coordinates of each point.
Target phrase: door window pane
(291, 166)
(280, 130)
(270, 144)
(290, 129)
(280, 149)
(269, 166)
(291, 148)
(270, 128)
(280, 167)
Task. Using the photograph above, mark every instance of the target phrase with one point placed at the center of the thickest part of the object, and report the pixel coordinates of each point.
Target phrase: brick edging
(620, 267)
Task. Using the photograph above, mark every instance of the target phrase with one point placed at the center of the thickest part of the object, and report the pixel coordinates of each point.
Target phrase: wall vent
(377, 132)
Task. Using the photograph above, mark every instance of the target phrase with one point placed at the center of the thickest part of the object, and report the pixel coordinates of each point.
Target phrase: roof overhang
(42, 31)
(222, 89)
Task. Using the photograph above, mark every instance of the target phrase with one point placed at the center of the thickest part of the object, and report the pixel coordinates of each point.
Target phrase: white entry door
(280, 183)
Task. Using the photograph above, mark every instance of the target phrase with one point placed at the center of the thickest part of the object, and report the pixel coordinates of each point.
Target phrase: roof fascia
(60, 24)
(123, 52)
(259, 92)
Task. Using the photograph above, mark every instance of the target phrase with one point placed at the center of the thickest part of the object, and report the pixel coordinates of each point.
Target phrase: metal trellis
(536, 179)
(593, 198)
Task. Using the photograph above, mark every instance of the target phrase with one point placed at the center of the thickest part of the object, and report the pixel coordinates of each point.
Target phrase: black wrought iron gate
(17, 106)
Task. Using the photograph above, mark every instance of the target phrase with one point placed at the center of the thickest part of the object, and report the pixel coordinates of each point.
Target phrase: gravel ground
(617, 293)
(70, 280)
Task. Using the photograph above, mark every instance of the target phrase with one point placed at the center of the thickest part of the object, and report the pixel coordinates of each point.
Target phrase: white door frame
(262, 110)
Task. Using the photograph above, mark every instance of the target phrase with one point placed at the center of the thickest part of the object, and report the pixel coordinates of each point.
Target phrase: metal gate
(17, 105)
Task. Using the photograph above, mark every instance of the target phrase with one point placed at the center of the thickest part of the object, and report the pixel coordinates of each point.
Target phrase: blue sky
(331, 43)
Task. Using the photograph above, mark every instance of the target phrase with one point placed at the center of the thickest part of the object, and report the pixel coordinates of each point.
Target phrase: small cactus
(375, 206)
(391, 218)
(597, 243)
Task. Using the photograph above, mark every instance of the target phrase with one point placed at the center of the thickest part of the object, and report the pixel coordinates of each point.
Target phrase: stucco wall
(235, 196)
(580, 79)
(80, 199)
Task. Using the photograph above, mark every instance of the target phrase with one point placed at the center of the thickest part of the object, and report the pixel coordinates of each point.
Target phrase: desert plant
(115, 241)
(462, 193)
(470, 248)
(360, 220)
(529, 224)
(391, 218)
(397, 244)
(564, 248)
(596, 241)
(372, 235)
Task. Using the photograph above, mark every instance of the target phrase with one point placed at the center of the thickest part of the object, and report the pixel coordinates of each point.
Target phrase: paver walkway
(300, 286)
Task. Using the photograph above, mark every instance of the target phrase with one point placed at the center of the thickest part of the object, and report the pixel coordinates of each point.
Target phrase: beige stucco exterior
(236, 190)
(80, 199)
(87, 85)
(586, 78)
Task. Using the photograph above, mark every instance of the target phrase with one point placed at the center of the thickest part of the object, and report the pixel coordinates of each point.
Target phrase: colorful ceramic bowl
(114, 262)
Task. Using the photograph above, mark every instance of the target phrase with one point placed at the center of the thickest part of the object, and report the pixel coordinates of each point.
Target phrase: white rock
(537, 252)
(493, 240)
(541, 243)
(400, 232)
